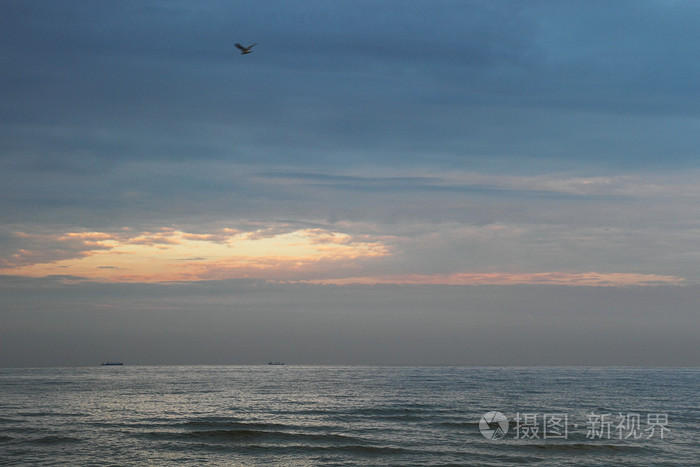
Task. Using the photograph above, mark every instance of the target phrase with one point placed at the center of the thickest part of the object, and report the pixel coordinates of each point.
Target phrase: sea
(349, 415)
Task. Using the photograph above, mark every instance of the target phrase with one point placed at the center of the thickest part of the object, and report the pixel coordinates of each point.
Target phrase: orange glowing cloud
(173, 255)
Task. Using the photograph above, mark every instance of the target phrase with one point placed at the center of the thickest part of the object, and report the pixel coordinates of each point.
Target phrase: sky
(385, 182)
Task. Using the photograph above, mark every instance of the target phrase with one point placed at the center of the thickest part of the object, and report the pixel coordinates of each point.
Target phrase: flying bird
(244, 50)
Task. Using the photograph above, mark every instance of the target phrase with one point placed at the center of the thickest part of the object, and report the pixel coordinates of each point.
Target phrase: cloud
(130, 256)
(445, 254)
(588, 279)
(511, 80)
(432, 222)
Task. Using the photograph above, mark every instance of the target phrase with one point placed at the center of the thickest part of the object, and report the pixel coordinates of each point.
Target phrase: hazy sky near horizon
(378, 182)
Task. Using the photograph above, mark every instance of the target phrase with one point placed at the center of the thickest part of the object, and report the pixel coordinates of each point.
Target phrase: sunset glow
(306, 255)
(172, 255)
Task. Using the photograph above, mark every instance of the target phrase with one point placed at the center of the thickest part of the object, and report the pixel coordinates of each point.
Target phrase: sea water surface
(323, 415)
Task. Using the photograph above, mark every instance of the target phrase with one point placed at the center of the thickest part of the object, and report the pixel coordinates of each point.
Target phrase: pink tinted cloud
(616, 279)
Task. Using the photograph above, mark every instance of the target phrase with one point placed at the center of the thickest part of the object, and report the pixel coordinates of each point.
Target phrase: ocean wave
(457, 424)
(52, 414)
(386, 413)
(53, 439)
(243, 434)
(9, 420)
(228, 423)
(24, 429)
(358, 449)
(584, 447)
(307, 450)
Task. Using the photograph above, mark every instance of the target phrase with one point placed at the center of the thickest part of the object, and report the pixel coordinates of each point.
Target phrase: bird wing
(251, 45)
(240, 46)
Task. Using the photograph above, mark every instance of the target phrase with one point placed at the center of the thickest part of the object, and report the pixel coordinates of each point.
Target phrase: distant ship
(112, 364)
(275, 363)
